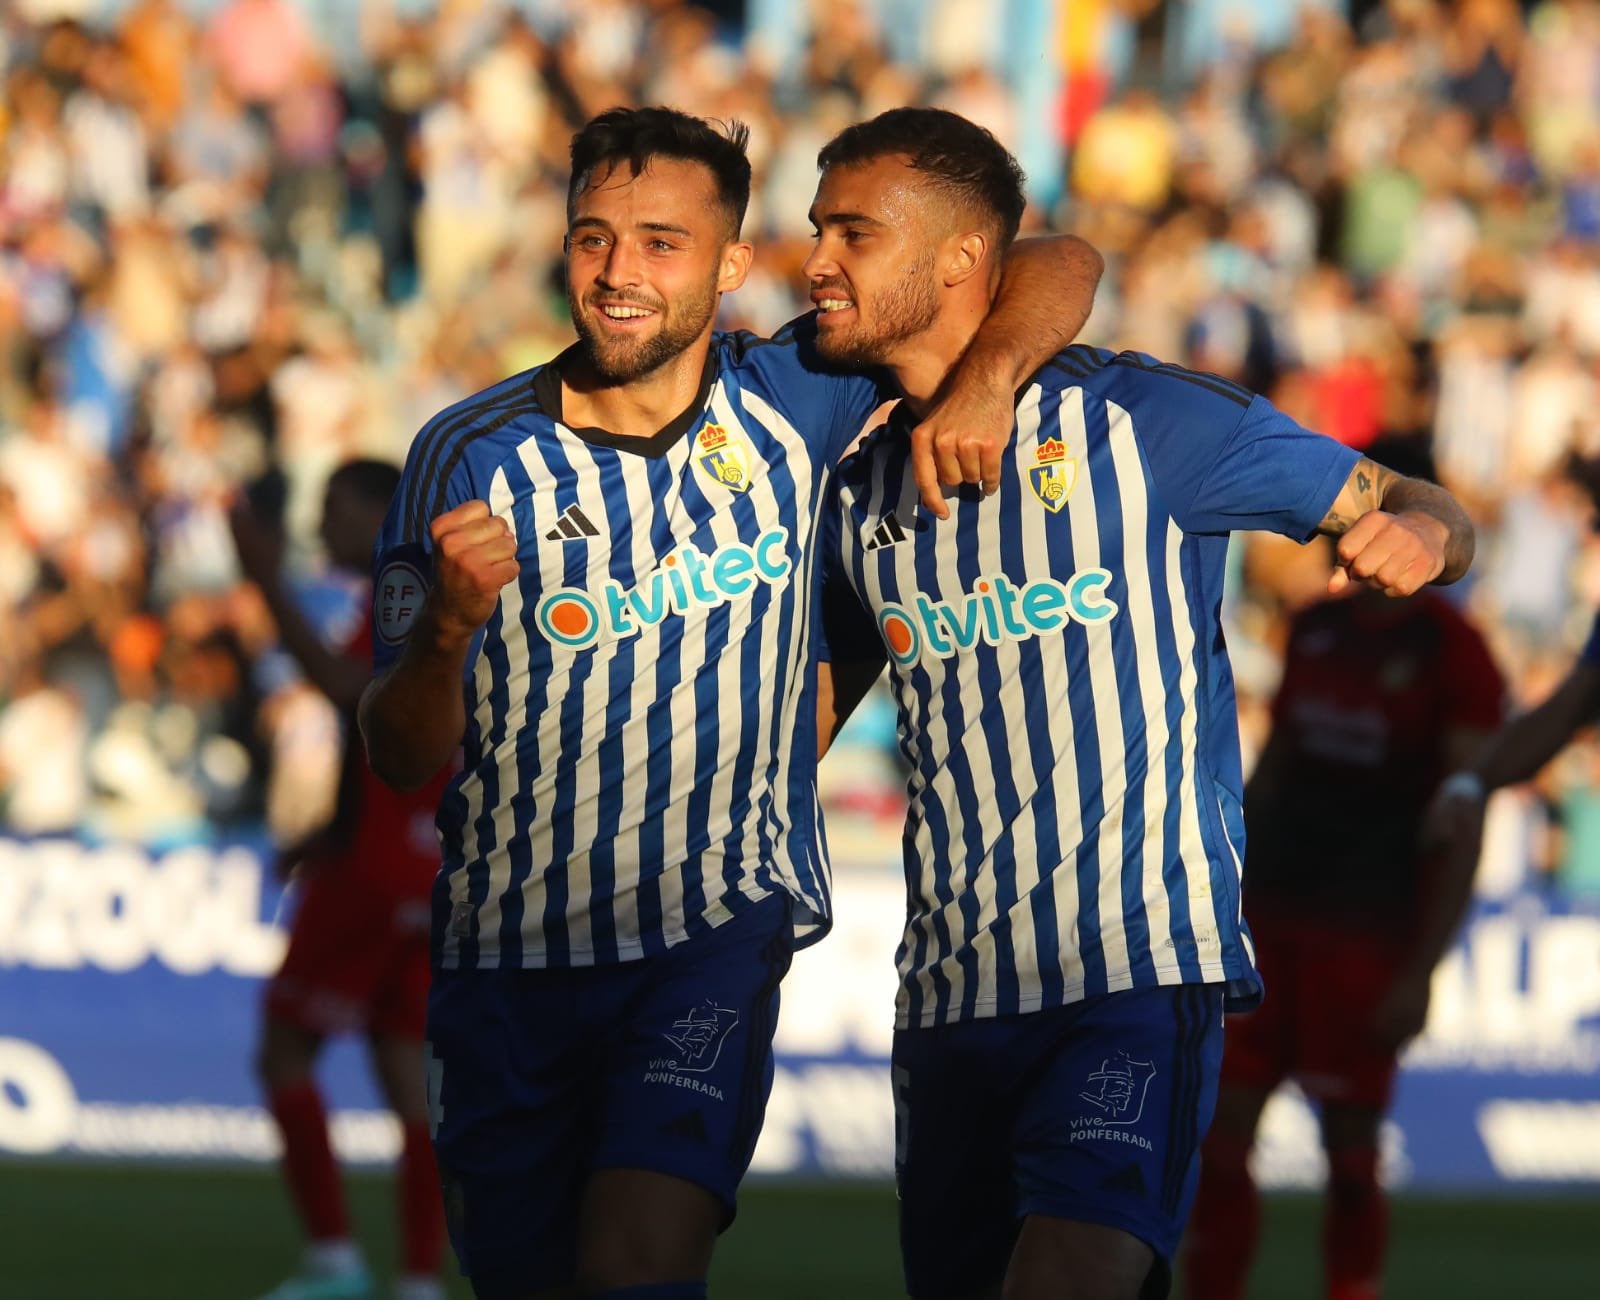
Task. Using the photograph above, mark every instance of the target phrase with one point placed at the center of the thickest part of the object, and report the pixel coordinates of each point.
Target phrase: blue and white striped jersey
(1066, 704)
(640, 705)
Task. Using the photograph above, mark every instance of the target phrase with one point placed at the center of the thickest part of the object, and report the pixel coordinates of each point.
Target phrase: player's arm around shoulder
(1395, 532)
(412, 715)
(1046, 293)
(849, 650)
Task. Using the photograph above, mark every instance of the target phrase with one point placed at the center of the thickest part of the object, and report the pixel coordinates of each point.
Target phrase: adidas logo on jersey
(572, 526)
(688, 579)
(994, 611)
(889, 532)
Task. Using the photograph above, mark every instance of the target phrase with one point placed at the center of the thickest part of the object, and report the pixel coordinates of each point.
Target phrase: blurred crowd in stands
(242, 241)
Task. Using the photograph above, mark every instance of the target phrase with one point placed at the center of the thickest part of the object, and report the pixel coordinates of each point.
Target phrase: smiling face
(648, 256)
(873, 269)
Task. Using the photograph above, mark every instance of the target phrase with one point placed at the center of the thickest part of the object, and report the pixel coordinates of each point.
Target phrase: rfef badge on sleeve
(397, 597)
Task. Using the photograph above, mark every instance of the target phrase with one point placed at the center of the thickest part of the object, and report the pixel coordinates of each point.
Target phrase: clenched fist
(474, 556)
(1398, 553)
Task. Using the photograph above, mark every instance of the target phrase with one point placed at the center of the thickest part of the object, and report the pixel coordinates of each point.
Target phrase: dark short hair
(958, 155)
(636, 135)
(372, 481)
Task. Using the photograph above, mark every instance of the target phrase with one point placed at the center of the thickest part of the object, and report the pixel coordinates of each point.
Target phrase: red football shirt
(1371, 688)
(388, 835)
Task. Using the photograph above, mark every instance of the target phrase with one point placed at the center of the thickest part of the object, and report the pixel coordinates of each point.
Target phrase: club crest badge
(1053, 474)
(724, 458)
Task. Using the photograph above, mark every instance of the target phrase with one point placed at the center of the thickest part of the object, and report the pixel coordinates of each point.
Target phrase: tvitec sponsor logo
(688, 579)
(994, 611)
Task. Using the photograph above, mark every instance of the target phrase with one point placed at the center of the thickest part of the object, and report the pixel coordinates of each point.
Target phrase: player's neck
(637, 408)
(923, 365)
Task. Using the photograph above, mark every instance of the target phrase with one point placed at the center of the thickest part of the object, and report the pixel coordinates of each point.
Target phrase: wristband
(1463, 785)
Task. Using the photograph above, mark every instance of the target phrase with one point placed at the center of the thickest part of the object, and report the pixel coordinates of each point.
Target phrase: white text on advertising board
(66, 906)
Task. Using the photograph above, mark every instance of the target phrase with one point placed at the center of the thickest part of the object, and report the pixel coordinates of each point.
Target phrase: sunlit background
(269, 235)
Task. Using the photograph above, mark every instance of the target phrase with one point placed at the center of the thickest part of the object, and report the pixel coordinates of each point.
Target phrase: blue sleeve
(402, 560)
(1591, 647)
(843, 630)
(828, 407)
(1223, 464)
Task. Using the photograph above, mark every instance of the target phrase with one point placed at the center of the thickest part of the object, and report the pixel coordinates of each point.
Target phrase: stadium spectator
(260, 48)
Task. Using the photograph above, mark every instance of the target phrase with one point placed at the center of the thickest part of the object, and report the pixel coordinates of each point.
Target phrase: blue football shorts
(1093, 1112)
(540, 1077)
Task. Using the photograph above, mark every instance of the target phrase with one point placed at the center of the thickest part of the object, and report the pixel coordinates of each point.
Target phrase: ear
(735, 265)
(966, 255)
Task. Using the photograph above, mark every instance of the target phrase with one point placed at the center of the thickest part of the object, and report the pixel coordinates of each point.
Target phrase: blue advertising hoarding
(130, 985)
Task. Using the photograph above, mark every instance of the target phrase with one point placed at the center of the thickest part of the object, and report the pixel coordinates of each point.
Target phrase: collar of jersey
(547, 388)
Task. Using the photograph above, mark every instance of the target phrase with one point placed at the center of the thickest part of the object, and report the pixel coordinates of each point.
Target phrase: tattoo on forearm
(1363, 491)
(1372, 481)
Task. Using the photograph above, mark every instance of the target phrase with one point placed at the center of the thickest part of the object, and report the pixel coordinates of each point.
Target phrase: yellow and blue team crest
(724, 458)
(1054, 474)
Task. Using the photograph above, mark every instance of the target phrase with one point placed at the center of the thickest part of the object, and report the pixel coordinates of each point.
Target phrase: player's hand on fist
(962, 440)
(1398, 553)
(474, 556)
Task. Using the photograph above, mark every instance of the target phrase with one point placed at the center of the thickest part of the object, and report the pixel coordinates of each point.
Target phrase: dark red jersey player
(358, 956)
(357, 960)
(1348, 909)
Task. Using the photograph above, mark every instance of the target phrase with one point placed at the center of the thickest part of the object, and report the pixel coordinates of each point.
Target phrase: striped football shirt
(640, 705)
(1065, 701)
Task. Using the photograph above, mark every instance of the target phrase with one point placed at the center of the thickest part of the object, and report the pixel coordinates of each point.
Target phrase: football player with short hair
(1067, 711)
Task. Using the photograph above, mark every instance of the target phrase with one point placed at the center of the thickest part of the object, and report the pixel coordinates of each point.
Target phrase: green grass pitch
(120, 1232)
